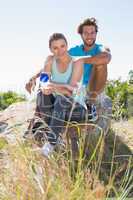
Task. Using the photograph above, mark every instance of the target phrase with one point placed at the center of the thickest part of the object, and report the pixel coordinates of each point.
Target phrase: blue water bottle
(44, 79)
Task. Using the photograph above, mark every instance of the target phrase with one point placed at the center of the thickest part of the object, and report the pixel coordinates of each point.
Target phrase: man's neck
(88, 48)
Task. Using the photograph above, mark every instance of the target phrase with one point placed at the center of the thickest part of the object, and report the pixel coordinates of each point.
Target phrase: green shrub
(130, 104)
(7, 98)
(130, 74)
(118, 92)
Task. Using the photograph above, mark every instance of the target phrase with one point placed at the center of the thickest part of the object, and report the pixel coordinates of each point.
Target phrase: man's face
(89, 35)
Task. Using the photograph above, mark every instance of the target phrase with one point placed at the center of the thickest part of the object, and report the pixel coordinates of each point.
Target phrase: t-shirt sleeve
(71, 51)
(74, 51)
(102, 48)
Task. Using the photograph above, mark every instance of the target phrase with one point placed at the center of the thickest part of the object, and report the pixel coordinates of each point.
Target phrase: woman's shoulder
(49, 60)
(77, 62)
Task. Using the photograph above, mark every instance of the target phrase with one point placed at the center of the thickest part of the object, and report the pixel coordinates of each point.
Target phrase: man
(95, 67)
(95, 70)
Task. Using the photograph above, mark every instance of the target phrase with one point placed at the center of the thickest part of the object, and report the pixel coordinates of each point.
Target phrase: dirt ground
(125, 130)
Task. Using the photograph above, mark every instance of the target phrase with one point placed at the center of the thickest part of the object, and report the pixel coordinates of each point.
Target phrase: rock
(3, 126)
(14, 120)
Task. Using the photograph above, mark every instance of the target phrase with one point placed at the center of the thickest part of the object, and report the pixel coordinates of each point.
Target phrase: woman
(55, 101)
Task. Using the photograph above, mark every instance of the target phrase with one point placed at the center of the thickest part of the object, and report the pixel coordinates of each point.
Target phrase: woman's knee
(62, 102)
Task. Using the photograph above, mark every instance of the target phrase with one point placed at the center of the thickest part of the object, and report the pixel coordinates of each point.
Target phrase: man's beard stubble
(90, 45)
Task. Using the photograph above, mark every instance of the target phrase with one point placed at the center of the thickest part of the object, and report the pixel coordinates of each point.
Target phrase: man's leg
(96, 87)
(98, 80)
(104, 107)
(103, 102)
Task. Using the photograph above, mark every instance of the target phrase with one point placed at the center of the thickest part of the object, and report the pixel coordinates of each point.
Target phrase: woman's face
(59, 48)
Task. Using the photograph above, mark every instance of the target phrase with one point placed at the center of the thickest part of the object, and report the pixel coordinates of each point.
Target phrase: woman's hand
(71, 88)
(31, 85)
(64, 89)
(49, 89)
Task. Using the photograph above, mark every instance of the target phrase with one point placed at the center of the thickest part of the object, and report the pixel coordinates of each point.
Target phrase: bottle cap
(44, 77)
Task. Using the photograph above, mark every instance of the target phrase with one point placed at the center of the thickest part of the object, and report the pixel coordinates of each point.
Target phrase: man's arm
(77, 72)
(99, 72)
(102, 58)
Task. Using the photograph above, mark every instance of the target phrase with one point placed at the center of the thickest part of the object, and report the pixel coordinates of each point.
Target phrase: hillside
(25, 174)
(18, 114)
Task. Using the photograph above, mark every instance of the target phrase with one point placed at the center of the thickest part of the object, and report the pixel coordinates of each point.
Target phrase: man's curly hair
(88, 22)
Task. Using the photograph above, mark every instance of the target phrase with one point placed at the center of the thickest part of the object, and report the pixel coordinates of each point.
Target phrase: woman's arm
(47, 68)
(30, 85)
(77, 72)
(65, 89)
(48, 64)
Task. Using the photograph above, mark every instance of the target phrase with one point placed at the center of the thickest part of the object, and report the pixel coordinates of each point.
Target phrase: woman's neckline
(64, 64)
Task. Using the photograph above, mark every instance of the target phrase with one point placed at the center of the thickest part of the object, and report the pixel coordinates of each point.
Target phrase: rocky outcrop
(14, 119)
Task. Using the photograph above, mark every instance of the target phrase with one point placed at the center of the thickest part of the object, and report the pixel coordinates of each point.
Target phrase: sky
(25, 27)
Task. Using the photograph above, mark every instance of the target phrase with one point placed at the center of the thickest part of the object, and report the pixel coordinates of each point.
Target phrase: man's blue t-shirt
(79, 51)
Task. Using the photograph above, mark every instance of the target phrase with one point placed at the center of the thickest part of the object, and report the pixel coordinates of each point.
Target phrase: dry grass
(26, 175)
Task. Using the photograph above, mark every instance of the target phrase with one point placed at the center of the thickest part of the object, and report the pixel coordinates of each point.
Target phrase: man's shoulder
(75, 50)
(98, 46)
(101, 48)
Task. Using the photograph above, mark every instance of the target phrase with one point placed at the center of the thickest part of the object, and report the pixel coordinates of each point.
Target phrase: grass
(102, 170)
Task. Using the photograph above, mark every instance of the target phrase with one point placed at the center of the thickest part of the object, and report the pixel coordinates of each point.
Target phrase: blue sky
(25, 27)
